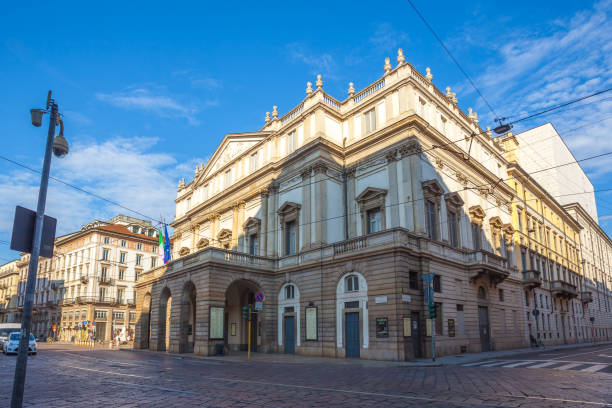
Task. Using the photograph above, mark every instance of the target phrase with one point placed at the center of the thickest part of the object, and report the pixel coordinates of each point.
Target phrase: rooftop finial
(319, 82)
(473, 116)
(400, 56)
(267, 117)
(308, 88)
(489, 132)
(275, 112)
(181, 183)
(428, 75)
(351, 89)
(387, 65)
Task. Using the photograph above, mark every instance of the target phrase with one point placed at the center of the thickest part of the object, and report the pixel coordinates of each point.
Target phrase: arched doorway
(188, 318)
(352, 332)
(239, 294)
(165, 309)
(145, 322)
(289, 317)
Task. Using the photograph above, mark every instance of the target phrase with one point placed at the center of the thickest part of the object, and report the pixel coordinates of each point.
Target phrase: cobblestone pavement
(70, 376)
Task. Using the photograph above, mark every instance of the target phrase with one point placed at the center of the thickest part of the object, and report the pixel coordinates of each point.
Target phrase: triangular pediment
(232, 146)
(288, 207)
(454, 200)
(371, 193)
(251, 222)
(432, 188)
(496, 222)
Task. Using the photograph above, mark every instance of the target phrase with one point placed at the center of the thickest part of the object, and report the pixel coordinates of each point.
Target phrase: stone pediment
(203, 243)
(224, 234)
(454, 200)
(251, 222)
(371, 193)
(496, 223)
(432, 188)
(477, 212)
(288, 207)
(230, 148)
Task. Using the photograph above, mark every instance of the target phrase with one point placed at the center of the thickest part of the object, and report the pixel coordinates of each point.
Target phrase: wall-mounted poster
(233, 329)
(407, 327)
(216, 323)
(451, 327)
(311, 324)
(382, 327)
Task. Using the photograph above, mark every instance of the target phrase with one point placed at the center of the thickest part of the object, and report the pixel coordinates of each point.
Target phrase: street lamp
(59, 146)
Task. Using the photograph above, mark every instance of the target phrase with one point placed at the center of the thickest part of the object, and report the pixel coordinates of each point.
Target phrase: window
(523, 260)
(351, 283)
(153, 260)
(105, 253)
(253, 162)
(291, 142)
(460, 320)
(135, 230)
(123, 243)
(289, 292)
(121, 274)
(104, 273)
(154, 249)
(132, 316)
(138, 260)
(370, 120)
(150, 232)
(188, 204)
(413, 280)
(374, 220)
(476, 239)
(100, 314)
(453, 229)
(437, 283)
(205, 192)
(106, 240)
(290, 238)
(122, 257)
(228, 178)
(139, 246)
(102, 294)
(253, 249)
(432, 219)
(501, 295)
(120, 295)
(482, 293)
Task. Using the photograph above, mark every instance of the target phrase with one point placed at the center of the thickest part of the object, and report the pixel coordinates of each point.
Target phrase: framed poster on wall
(311, 324)
(382, 327)
(216, 323)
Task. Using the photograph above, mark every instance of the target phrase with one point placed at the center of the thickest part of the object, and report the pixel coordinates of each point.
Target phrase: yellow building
(547, 239)
(9, 276)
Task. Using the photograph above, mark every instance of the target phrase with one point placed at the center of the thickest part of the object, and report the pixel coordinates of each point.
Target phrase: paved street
(70, 376)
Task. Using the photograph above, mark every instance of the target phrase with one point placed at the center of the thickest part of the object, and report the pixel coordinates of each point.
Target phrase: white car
(12, 346)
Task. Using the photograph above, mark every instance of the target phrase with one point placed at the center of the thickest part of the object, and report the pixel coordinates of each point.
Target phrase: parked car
(5, 330)
(12, 346)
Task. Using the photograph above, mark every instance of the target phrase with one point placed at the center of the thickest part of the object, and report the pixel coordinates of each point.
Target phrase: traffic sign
(258, 305)
(93, 323)
(259, 296)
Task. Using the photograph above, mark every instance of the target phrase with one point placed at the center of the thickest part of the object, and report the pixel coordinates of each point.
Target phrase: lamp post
(59, 146)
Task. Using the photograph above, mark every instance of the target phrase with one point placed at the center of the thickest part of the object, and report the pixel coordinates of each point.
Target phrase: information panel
(311, 323)
(216, 323)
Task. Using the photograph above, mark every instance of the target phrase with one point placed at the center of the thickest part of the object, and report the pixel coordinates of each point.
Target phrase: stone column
(273, 225)
(264, 222)
(352, 216)
(320, 227)
(411, 152)
(393, 203)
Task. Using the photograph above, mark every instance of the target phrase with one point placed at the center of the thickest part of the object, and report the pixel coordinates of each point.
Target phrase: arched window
(351, 283)
(482, 294)
(289, 292)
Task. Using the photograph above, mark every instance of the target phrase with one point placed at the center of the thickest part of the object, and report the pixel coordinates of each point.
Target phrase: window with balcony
(120, 295)
(121, 274)
(290, 237)
(102, 294)
(432, 219)
(476, 236)
(103, 273)
(253, 244)
(370, 120)
(105, 254)
(351, 283)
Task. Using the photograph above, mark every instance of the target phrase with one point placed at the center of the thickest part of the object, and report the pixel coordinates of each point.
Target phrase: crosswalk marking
(567, 366)
(520, 363)
(546, 364)
(592, 367)
(595, 368)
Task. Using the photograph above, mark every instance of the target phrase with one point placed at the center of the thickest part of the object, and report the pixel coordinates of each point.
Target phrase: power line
(452, 57)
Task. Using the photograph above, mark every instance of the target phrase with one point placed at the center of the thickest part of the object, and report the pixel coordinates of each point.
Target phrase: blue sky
(149, 89)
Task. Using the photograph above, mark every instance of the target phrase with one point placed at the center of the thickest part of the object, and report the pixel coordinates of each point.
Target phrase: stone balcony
(478, 263)
(532, 279)
(563, 289)
(105, 280)
(586, 297)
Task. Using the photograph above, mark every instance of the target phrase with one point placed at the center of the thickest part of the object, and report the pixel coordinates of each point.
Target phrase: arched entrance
(165, 309)
(239, 294)
(352, 332)
(188, 318)
(145, 322)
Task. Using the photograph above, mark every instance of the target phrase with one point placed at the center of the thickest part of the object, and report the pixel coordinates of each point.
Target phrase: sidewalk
(275, 358)
(473, 357)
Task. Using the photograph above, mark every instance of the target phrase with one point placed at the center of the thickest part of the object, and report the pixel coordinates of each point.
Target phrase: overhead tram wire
(161, 222)
(453, 58)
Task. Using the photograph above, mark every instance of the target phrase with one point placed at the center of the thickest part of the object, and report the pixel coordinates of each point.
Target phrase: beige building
(9, 277)
(596, 254)
(91, 278)
(334, 211)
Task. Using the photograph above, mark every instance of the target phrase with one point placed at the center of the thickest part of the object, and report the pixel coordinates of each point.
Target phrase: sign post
(249, 343)
(431, 307)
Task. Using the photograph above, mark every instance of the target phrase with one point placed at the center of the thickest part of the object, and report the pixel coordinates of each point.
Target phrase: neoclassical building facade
(334, 211)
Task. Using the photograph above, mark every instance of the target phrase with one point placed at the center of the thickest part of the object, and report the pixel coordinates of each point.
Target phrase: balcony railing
(84, 279)
(586, 297)
(105, 300)
(130, 302)
(105, 280)
(51, 303)
(68, 301)
(532, 279)
(563, 289)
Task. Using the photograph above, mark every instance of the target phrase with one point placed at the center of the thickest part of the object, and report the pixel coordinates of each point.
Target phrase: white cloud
(323, 64)
(386, 39)
(155, 102)
(122, 170)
